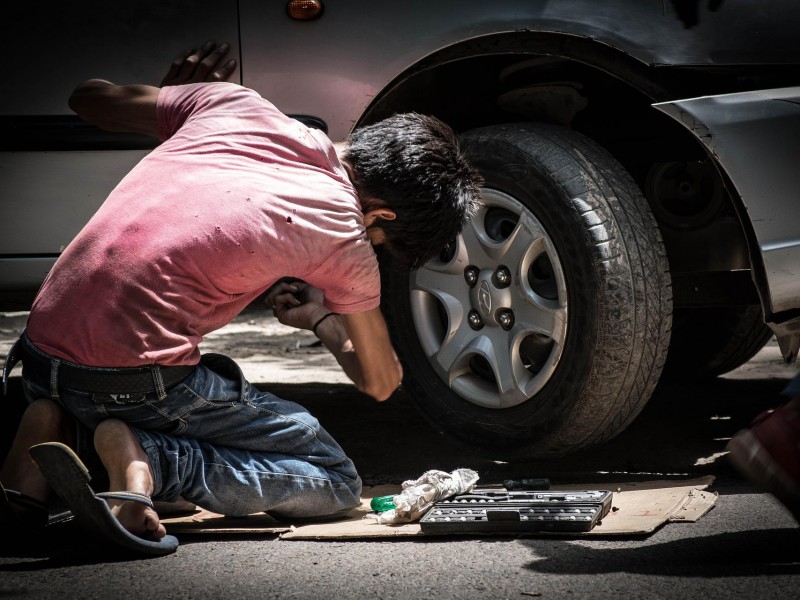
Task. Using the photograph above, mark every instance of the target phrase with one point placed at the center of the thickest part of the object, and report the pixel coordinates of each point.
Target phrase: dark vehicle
(639, 219)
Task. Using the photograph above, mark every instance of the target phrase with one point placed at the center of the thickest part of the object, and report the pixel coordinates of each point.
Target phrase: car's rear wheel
(707, 342)
(544, 327)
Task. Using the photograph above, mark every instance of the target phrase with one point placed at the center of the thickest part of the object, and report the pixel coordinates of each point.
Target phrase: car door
(55, 170)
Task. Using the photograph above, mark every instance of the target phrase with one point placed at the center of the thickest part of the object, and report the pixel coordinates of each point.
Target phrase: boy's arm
(360, 341)
(120, 108)
(132, 108)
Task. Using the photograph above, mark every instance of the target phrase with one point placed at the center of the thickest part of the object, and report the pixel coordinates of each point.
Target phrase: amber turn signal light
(304, 10)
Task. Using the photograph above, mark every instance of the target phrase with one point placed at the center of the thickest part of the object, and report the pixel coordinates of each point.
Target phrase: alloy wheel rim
(491, 311)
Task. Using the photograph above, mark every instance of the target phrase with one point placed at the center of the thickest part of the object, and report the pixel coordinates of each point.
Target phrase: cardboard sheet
(638, 509)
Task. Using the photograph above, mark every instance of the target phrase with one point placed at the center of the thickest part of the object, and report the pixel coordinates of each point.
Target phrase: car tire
(708, 342)
(566, 247)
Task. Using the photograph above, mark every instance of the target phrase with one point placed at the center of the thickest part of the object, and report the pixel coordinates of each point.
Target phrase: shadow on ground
(733, 554)
(682, 432)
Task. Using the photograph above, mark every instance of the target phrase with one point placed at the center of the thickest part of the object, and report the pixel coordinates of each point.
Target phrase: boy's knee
(111, 432)
(349, 494)
(44, 408)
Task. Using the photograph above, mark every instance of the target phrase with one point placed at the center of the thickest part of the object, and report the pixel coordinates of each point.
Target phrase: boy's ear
(373, 215)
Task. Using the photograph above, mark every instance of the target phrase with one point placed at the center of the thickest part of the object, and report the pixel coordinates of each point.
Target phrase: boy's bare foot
(128, 470)
(43, 421)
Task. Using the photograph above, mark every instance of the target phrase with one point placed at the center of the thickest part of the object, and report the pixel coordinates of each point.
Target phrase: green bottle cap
(382, 503)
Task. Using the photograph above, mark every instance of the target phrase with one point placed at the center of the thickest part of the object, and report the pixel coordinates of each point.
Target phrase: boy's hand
(297, 304)
(206, 64)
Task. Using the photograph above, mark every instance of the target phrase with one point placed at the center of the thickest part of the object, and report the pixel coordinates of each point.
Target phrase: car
(638, 223)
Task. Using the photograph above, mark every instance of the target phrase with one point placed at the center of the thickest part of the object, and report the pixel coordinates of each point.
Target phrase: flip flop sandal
(34, 516)
(69, 478)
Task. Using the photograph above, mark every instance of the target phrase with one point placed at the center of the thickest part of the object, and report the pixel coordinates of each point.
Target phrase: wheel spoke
(511, 379)
(483, 247)
(452, 358)
(526, 239)
(474, 241)
(533, 316)
(440, 282)
(452, 294)
(511, 376)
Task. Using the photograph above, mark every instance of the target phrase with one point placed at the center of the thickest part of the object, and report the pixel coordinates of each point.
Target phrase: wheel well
(606, 95)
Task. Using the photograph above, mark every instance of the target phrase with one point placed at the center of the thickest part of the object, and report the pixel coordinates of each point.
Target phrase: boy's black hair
(414, 164)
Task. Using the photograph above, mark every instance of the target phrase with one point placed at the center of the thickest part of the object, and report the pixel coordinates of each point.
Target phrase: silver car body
(754, 138)
(354, 63)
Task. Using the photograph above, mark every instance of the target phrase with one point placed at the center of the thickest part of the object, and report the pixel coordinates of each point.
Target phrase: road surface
(746, 547)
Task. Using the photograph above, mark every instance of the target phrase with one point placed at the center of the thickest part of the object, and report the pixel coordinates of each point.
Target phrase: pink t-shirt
(237, 196)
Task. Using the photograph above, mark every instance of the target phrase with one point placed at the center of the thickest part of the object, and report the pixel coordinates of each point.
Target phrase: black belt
(99, 380)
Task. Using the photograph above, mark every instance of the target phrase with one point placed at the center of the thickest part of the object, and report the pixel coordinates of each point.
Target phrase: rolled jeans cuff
(154, 457)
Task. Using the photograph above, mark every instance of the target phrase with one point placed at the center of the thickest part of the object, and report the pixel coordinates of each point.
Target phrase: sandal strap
(25, 501)
(126, 496)
(33, 513)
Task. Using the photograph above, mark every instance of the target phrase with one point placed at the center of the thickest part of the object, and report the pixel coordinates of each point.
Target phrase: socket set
(499, 511)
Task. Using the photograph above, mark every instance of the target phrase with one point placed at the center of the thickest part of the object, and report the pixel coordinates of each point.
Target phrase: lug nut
(502, 277)
(471, 275)
(506, 319)
(475, 320)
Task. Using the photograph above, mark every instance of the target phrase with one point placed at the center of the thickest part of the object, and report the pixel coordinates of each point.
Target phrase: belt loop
(159, 382)
(54, 365)
(12, 359)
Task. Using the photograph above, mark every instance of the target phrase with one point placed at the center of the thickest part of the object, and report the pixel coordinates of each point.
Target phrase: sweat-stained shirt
(237, 196)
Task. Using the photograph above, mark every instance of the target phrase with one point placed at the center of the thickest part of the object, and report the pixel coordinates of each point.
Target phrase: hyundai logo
(484, 298)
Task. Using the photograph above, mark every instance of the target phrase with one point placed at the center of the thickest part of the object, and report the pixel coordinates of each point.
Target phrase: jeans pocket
(223, 366)
(201, 403)
(139, 410)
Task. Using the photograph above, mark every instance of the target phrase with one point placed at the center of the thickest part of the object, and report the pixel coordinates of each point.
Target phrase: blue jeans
(792, 390)
(218, 442)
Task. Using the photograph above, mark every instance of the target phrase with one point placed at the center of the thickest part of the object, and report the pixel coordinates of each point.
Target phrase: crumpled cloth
(419, 495)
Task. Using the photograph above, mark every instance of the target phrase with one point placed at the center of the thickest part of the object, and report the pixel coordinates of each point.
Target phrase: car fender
(333, 67)
(754, 139)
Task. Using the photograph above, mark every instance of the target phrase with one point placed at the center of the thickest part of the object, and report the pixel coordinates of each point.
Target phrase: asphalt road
(746, 547)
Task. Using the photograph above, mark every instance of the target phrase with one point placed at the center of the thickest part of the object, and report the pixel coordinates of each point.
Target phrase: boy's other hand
(296, 304)
(208, 63)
